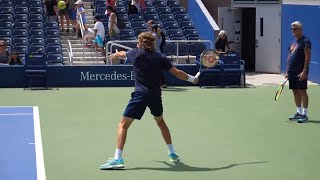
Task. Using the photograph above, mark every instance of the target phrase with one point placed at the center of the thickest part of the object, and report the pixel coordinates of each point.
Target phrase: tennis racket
(208, 58)
(279, 91)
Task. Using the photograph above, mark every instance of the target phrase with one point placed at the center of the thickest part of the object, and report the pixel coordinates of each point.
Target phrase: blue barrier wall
(200, 21)
(308, 15)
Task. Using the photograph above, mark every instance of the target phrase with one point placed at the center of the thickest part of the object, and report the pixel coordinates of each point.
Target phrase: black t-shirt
(220, 44)
(148, 68)
(296, 54)
(50, 7)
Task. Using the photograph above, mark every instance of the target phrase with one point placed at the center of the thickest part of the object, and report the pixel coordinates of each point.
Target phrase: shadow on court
(182, 167)
(314, 121)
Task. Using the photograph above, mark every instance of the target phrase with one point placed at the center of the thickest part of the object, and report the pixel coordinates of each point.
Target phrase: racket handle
(197, 75)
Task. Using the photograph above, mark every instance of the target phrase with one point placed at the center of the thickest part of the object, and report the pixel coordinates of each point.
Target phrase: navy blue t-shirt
(296, 54)
(148, 67)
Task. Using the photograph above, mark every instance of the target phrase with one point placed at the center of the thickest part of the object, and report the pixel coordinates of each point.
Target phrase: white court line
(41, 172)
(17, 114)
(14, 106)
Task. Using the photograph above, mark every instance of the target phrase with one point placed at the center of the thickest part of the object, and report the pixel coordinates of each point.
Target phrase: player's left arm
(307, 51)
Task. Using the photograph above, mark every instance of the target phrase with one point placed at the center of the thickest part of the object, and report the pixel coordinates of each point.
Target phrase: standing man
(147, 66)
(297, 71)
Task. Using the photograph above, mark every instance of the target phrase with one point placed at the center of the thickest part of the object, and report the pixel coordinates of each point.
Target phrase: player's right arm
(182, 75)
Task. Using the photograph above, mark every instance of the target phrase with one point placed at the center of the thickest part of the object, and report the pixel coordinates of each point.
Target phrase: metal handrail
(109, 49)
(118, 45)
(82, 32)
(70, 53)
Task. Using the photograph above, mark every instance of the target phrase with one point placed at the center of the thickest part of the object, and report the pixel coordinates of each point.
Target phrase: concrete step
(73, 46)
(72, 41)
(83, 54)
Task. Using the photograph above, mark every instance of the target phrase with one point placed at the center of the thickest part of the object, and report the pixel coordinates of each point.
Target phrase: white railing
(70, 53)
(110, 44)
(82, 30)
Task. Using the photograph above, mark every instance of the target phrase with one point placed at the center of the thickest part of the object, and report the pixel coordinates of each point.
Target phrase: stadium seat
(127, 25)
(51, 25)
(21, 10)
(33, 33)
(151, 10)
(173, 32)
(196, 48)
(36, 48)
(168, 49)
(166, 17)
(35, 25)
(182, 48)
(35, 10)
(186, 25)
(51, 33)
(36, 41)
(178, 37)
(20, 33)
(123, 17)
(36, 18)
(6, 25)
(9, 49)
(148, 3)
(20, 25)
(194, 38)
(54, 58)
(6, 17)
(100, 4)
(20, 41)
(35, 3)
(120, 3)
(121, 10)
(154, 17)
(6, 10)
(139, 25)
(8, 40)
(126, 32)
(52, 49)
(163, 10)
(136, 17)
(178, 10)
(181, 17)
(20, 17)
(160, 3)
(53, 41)
(5, 3)
(171, 25)
(173, 3)
(21, 49)
(128, 38)
(20, 3)
(188, 32)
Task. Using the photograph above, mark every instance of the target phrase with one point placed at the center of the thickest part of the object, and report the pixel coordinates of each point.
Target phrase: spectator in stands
(73, 15)
(113, 20)
(150, 23)
(99, 33)
(111, 3)
(64, 14)
(4, 53)
(89, 36)
(81, 15)
(136, 6)
(221, 42)
(15, 59)
(52, 10)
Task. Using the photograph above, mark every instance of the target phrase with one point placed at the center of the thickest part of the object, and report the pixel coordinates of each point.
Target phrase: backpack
(120, 24)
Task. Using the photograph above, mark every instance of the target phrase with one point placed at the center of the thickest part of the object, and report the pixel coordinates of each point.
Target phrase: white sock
(171, 149)
(118, 154)
(305, 111)
(299, 110)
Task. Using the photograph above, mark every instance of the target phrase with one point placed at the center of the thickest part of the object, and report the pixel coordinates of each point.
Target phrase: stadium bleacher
(168, 14)
(24, 27)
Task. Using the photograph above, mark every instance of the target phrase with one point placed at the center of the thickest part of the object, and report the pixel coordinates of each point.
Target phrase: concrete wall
(212, 6)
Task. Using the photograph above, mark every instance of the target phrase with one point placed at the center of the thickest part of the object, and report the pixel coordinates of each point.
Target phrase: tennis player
(297, 71)
(147, 66)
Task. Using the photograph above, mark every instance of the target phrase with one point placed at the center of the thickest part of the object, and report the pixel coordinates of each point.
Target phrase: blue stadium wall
(200, 20)
(309, 16)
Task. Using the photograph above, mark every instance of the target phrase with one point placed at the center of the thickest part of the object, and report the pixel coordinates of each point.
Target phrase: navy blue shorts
(138, 103)
(294, 82)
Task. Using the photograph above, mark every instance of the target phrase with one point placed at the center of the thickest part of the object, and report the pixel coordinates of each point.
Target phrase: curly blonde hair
(147, 40)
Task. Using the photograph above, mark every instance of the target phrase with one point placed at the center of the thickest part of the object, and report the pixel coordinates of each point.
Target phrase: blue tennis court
(21, 154)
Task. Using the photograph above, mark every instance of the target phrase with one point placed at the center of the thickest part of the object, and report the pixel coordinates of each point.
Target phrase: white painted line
(14, 106)
(208, 15)
(31, 143)
(17, 114)
(41, 172)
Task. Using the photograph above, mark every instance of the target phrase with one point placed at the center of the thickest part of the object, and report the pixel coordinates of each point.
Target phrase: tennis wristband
(191, 78)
